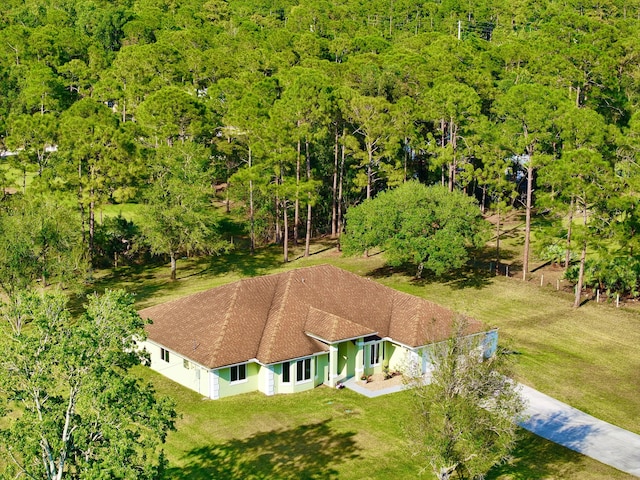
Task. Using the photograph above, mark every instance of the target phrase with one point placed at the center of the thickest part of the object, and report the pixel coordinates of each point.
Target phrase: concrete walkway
(564, 425)
(352, 384)
(574, 429)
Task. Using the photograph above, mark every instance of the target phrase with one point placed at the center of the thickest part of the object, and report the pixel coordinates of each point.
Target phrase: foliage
(178, 216)
(79, 412)
(554, 253)
(429, 226)
(40, 241)
(466, 414)
(118, 241)
(612, 275)
(330, 103)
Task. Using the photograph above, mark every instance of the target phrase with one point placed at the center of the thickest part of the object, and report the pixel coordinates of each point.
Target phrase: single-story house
(292, 331)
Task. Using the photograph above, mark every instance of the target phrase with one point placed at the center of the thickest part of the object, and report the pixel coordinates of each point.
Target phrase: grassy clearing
(152, 285)
(325, 433)
(586, 357)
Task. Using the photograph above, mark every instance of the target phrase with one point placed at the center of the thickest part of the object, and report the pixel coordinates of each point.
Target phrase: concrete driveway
(567, 426)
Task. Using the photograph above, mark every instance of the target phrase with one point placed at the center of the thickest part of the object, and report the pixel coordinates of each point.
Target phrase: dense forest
(295, 111)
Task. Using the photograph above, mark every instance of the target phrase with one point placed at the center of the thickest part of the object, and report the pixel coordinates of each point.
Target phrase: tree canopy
(466, 410)
(318, 105)
(427, 226)
(78, 410)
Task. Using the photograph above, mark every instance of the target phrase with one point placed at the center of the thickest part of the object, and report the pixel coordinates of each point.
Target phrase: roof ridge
(415, 319)
(334, 323)
(266, 321)
(225, 322)
(269, 343)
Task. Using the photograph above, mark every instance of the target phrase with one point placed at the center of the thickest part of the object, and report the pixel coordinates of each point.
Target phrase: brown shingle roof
(269, 318)
(333, 328)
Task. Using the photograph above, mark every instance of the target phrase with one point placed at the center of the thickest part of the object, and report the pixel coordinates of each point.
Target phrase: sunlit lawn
(129, 211)
(587, 357)
(325, 433)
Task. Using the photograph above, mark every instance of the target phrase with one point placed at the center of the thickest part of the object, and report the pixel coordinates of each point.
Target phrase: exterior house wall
(178, 369)
(347, 355)
(398, 357)
(282, 386)
(490, 343)
(268, 379)
(228, 388)
(321, 369)
(369, 368)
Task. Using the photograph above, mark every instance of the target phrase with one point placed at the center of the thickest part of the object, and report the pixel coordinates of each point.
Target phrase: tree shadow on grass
(466, 277)
(239, 260)
(305, 452)
(535, 457)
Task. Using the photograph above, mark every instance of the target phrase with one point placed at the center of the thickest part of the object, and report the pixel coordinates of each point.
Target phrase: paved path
(574, 429)
(567, 426)
(352, 384)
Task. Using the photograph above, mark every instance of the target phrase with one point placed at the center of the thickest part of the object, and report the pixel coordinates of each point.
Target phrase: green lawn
(587, 357)
(325, 433)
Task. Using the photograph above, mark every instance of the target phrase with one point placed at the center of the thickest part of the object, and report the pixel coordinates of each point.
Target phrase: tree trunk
(277, 235)
(172, 256)
(340, 182)
(334, 191)
(252, 233)
(567, 254)
(452, 175)
(453, 140)
(498, 243)
(583, 260)
(307, 239)
(527, 228)
(296, 210)
(285, 221)
(406, 158)
(43, 276)
(92, 226)
(442, 144)
(369, 173)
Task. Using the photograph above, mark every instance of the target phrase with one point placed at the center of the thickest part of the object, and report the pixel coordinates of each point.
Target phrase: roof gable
(332, 328)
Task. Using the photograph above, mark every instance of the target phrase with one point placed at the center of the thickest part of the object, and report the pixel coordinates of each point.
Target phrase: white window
(186, 364)
(238, 373)
(286, 372)
(164, 354)
(303, 370)
(376, 353)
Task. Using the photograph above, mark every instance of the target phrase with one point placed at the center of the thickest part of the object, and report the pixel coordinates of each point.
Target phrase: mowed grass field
(587, 357)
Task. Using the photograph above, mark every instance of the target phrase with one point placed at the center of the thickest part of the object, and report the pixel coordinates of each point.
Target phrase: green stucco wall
(250, 385)
(194, 376)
